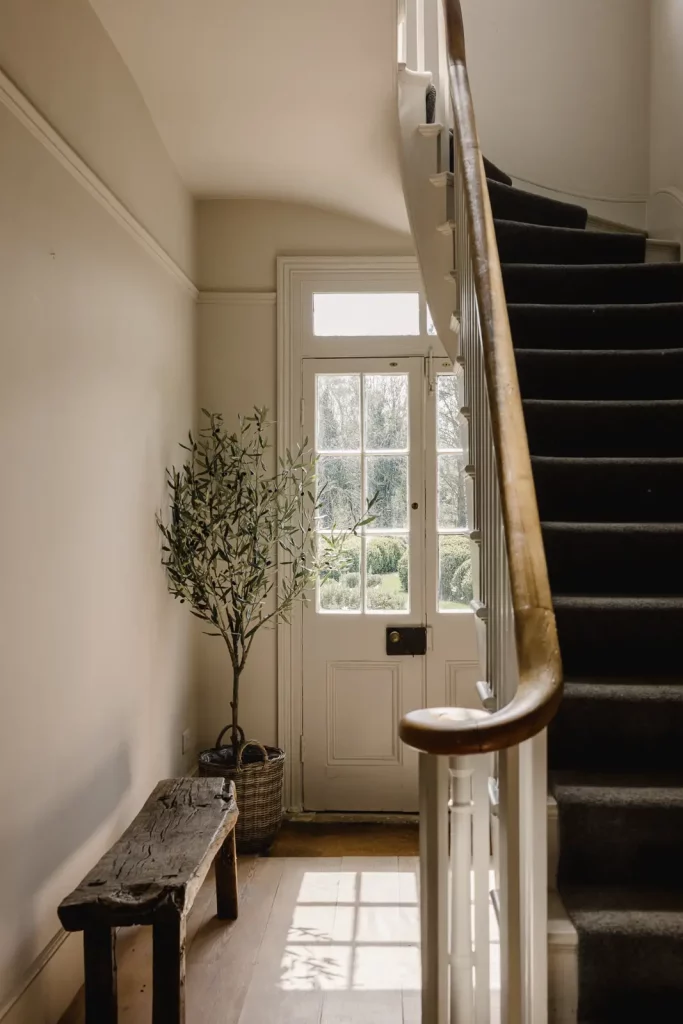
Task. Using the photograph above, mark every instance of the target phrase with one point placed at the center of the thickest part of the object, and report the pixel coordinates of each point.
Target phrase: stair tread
(597, 460)
(616, 403)
(587, 527)
(584, 269)
(569, 308)
(618, 790)
(630, 909)
(618, 690)
(600, 353)
(651, 603)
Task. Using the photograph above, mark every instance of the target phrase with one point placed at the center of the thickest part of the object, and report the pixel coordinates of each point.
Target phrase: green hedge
(384, 554)
(461, 584)
(453, 552)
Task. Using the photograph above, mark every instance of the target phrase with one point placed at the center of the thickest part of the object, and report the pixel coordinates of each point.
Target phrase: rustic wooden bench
(152, 876)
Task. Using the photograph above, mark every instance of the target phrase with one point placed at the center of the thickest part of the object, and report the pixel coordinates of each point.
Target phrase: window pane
(338, 411)
(365, 314)
(387, 574)
(452, 506)
(386, 410)
(339, 489)
(340, 592)
(431, 329)
(455, 573)
(387, 477)
(448, 411)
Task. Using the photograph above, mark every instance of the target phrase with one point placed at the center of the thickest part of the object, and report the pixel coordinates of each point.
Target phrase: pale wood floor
(324, 940)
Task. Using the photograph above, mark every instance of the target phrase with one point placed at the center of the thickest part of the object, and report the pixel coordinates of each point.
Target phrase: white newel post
(434, 887)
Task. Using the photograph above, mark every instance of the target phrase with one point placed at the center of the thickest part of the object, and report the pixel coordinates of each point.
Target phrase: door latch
(406, 640)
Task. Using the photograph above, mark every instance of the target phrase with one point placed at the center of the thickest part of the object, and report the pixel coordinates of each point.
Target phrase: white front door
(390, 428)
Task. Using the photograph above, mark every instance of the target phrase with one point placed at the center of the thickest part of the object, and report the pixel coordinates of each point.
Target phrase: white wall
(561, 95)
(665, 208)
(96, 387)
(237, 244)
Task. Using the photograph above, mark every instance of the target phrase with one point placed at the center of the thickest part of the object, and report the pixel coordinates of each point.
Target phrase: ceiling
(287, 99)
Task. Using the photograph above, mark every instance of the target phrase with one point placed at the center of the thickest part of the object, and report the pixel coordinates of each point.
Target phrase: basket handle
(240, 731)
(251, 743)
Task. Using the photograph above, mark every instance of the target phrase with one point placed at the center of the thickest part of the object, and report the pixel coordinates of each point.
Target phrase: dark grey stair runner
(598, 336)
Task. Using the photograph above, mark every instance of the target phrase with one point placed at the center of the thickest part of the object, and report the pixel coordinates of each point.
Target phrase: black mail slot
(406, 639)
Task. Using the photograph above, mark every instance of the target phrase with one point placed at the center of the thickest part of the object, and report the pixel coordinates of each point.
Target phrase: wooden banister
(450, 731)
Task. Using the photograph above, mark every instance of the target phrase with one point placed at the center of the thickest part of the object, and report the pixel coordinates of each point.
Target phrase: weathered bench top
(160, 861)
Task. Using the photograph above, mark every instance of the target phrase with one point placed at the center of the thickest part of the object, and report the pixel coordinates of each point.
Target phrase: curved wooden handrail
(443, 730)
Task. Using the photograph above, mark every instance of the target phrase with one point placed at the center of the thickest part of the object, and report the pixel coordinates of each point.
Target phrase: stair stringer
(420, 156)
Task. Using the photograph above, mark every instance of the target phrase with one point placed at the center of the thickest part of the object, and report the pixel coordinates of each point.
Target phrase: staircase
(598, 338)
(596, 320)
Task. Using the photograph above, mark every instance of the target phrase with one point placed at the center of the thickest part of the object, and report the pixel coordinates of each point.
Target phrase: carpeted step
(591, 374)
(620, 559)
(618, 636)
(604, 428)
(630, 952)
(584, 285)
(510, 203)
(601, 326)
(494, 173)
(610, 725)
(619, 829)
(537, 243)
(609, 490)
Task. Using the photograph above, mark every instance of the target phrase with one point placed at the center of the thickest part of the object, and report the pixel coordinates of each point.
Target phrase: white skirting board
(563, 964)
(50, 984)
(665, 214)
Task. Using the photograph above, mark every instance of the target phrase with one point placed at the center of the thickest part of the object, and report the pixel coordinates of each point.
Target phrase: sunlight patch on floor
(354, 930)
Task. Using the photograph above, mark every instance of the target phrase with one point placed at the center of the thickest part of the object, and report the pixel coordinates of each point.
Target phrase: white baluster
(481, 857)
(434, 887)
(461, 959)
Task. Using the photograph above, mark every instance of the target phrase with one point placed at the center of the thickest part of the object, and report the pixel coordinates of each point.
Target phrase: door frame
(297, 278)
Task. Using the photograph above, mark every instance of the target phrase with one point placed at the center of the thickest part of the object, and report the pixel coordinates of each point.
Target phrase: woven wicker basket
(259, 790)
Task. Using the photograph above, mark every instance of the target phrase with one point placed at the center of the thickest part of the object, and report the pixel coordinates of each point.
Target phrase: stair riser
(608, 430)
(619, 642)
(626, 978)
(524, 243)
(621, 562)
(596, 327)
(581, 491)
(583, 285)
(587, 375)
(619, 845)
(612, 736)
(512, 204)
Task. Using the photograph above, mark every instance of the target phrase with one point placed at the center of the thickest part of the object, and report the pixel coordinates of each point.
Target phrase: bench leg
(99, 951)
(226, 879)
(168, 981)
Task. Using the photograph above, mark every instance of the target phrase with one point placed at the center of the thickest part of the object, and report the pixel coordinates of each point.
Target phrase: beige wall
(59, 55)
(561, 94)
(96, 387)
(238, 241)
(665, 210)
